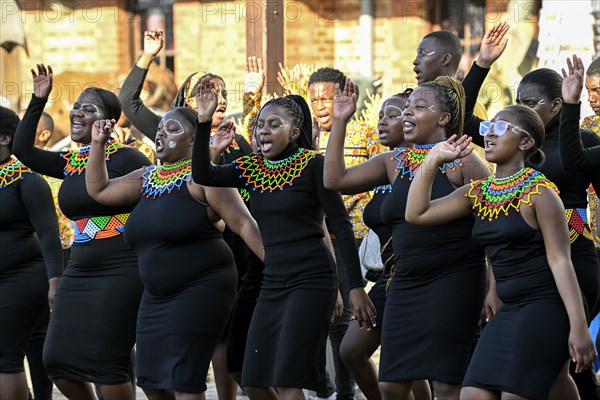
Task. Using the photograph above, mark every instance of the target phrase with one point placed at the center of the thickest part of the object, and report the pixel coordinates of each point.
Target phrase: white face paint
(388, 107)
(171, 127)
(172, 144)
(432, 108)
(88, 108)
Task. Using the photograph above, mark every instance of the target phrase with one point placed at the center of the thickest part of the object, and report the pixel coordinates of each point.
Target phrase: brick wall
(210, 36)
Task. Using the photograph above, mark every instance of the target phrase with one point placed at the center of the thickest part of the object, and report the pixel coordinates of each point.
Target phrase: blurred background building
(97, 42)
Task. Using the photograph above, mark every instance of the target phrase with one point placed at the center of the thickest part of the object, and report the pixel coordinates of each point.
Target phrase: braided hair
(452, 98)
(300, 113)
(188, 89)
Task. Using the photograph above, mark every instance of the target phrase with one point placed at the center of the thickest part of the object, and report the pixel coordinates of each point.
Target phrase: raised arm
(420, 209)
(362, 177)
(134, 108)
(228, 204)
(493, 45)
(549, 213)
(119, 191)
(204, 172)
(37, 199)
(255, 81)
(572, 152)
(45, 162)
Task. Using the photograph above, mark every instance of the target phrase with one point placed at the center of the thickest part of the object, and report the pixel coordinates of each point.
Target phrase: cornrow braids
(188, 89)
(295, 110)
(452, 98)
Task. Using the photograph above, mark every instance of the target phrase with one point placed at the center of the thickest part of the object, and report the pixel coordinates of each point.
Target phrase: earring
(521, 148)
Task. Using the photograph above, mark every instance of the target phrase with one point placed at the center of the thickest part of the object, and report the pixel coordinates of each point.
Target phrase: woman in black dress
(286, 342)
(186, 267)
(230, 349)
(28, 239)
(359, 344)
(436, 294)
(525, 348)
(92, 328)
(541, 90)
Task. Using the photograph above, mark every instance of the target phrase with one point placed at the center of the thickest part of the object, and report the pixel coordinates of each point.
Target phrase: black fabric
(372, 218)
(134, 109)
(524, 346)
(575, 155)
(27, 213)
(190, 284)
(572, 186)
(92, 329)
(436, 295)
(299, 277)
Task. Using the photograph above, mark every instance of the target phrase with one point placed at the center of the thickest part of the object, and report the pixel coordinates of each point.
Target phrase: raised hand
(42, 81)
(345, 101)
(153, 42)
(223, 137)
(206, 100)
(102, 130)
(255, 76)
(282, 76)
(493, 45)
(451, 149)
(316, 133)
(573, 80)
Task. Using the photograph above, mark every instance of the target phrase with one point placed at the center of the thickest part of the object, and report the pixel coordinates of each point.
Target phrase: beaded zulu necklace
(11, 171)
(262, 174)
(159, 179)
(492, 196)
(77, 160)
(411, 158)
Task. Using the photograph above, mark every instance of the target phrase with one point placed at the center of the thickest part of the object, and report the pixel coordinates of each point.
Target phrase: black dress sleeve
(203, 171)
(472, 84)
(134, 108)
(340, 224)
(572, 152)
(37, 199)
(45, 162)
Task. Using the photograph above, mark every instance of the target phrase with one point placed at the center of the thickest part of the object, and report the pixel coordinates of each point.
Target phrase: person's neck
(505, 170)
(5, 153)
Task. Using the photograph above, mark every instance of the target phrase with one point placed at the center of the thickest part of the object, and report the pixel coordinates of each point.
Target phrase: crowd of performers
(240, 246)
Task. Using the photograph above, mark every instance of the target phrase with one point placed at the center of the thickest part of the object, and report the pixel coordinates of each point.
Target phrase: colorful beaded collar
(11, 171)
(263, 174)
(410, 159)
(77, 160)
(493, 196)
(159, 179)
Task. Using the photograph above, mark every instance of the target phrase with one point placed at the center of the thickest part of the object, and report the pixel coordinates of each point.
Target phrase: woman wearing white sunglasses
(525, 348)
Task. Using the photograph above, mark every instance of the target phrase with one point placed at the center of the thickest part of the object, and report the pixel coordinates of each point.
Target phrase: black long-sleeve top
(288, 215)
(73, 198)
(576, 155)
(28, 210)
(572, 185)
(147, 121)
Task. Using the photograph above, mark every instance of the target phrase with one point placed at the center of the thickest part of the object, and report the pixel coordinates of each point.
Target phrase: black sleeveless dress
(92, 327)
(525, 345)
(372, 218)
(190, 282)
(436, 295)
